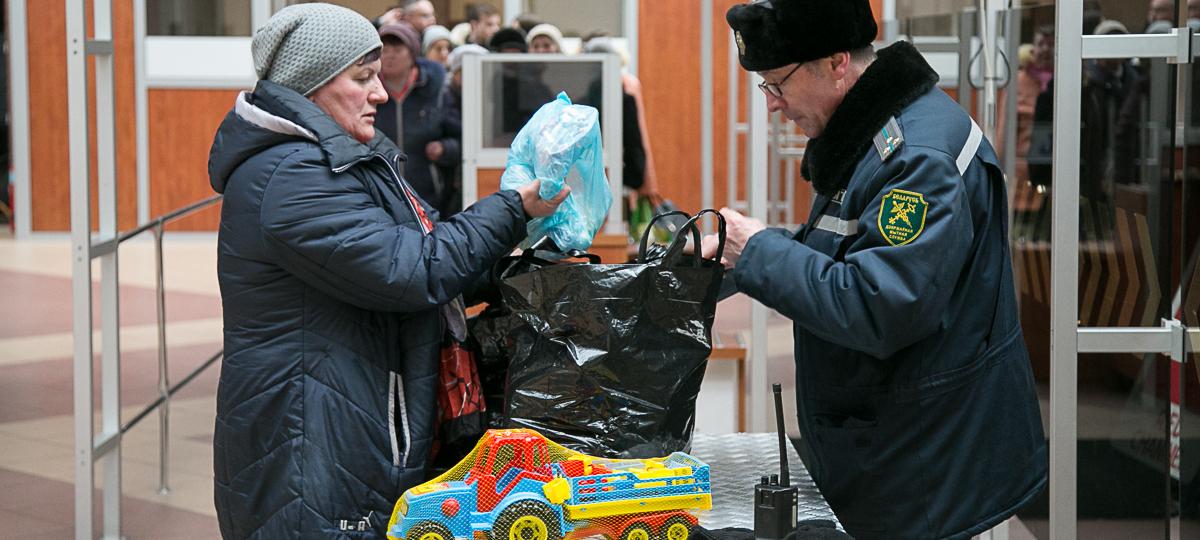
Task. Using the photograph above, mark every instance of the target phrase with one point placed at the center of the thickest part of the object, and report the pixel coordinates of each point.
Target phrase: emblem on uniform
(737, 38)
(902, 216)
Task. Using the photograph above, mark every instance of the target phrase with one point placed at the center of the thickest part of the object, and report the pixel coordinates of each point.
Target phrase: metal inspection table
(736, 462)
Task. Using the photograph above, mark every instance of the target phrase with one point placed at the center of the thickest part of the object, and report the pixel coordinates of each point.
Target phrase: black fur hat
(774, 33)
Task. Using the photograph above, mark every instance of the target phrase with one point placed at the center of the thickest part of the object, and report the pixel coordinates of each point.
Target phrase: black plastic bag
(607, 359)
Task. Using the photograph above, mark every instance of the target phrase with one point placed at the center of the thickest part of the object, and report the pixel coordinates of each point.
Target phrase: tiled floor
(36, 392)
(37, 427)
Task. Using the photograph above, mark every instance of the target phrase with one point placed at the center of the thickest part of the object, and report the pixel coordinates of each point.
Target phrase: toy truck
(517, 485)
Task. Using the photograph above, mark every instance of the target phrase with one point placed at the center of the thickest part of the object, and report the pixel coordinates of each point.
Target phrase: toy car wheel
(676, 528)
(429, 530)
(526, 520)
(637, 531)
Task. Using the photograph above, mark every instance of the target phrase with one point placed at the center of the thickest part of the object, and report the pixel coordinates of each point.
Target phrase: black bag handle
(650, 229)
(675, 250)
(503, 267)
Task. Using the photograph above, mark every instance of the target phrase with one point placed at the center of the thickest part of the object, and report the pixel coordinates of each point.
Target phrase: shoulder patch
(889, 139)
(902, 216)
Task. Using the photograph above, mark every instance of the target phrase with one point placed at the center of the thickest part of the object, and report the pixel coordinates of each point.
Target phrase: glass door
(1102, 242)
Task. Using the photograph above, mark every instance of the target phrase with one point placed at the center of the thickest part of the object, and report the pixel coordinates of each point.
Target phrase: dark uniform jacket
(326, 402)
(914, 390)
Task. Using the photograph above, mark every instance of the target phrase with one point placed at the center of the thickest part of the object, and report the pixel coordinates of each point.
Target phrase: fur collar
(898, 76)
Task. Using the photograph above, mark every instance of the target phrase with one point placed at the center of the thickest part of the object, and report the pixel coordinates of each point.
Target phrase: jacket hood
(273, 115)
(898, 76)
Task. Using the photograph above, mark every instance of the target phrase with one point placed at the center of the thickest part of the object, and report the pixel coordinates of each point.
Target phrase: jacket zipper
(395, 381)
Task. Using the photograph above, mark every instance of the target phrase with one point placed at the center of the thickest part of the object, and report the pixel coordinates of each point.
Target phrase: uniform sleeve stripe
(969, 149)
(837, 226)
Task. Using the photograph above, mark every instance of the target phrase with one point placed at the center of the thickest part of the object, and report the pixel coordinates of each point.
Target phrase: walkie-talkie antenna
(784, 475)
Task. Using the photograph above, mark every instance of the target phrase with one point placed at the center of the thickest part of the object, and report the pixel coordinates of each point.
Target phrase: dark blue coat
(914, 390)
(326, 403)
(427, 118)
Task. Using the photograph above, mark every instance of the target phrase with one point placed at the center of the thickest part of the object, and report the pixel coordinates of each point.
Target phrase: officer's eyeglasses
(773, 88)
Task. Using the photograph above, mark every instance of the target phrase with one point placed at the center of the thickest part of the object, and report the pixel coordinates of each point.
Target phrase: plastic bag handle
(676, 247)
(650, 229)
(529, 256)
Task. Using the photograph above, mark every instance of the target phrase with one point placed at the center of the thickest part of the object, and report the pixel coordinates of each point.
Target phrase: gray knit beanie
(303, 46)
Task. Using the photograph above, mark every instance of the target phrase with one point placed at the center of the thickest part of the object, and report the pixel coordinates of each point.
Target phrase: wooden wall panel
(669, 68)
(670, 73)
(181, 133)
(50, 181)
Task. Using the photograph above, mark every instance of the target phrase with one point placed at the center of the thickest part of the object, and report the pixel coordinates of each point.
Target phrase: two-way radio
(775, 499)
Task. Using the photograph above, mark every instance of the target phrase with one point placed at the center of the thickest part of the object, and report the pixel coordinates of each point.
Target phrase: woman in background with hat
(415, 118)
(338, 285)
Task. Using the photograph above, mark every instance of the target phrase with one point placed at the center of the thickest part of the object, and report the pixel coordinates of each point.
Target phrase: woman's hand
(535, 206)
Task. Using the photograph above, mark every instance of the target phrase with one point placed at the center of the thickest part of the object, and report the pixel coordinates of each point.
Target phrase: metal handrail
(169, 217)
(165, 389)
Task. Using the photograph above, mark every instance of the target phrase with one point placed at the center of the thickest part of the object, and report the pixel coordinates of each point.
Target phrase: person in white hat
(544, 38)
(435, 44)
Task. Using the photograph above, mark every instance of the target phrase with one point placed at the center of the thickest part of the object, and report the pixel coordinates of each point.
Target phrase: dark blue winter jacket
(326, 402)
(914, 390)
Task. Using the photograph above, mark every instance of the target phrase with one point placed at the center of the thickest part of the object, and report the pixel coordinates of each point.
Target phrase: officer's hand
(708, 247)
(535, 206)
(738, 230)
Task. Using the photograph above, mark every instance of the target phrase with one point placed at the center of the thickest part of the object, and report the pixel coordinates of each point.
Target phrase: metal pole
(110, 319)
(1064, 269)
(630, 23)
(164, 384)
(613, 151)
(18, 49)
(756, 185)
(706, 107)
(965, 31)
(81, 265)
(731, 156)
(141, 110)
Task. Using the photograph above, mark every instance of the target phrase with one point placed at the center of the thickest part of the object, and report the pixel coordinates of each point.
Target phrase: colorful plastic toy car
(517, 485)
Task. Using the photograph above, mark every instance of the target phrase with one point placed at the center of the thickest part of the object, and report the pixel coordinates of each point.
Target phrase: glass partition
(513, 91)
(198, 17)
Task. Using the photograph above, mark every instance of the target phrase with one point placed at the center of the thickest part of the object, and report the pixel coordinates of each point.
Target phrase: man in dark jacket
(338, 286)
(914, 391)
(416, 118)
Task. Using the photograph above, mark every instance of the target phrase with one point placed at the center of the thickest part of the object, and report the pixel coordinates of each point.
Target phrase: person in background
(435, 44)
(1160, 11)
(638, 172)
(459, 34)
(419, 14)
(452, 114)
(391, 16)
(339, 285)
(485, 21)
(414, 116)
(544, 38)
(508, 40)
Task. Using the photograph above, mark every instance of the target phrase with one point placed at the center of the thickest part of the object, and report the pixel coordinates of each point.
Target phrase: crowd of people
(1114, 119)
(422, 74)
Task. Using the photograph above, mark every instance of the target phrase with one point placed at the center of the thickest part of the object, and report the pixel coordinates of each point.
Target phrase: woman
(415, 117)
(544, 38)
(435, 44)
(336, 281)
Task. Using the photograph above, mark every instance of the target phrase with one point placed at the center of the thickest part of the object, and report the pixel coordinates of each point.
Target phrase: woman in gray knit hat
(339, 287)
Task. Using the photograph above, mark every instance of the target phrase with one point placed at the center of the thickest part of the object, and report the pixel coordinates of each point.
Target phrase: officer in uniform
(914, 391)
